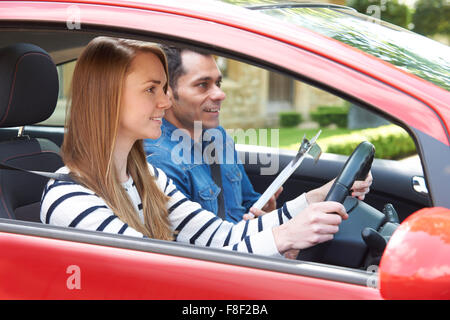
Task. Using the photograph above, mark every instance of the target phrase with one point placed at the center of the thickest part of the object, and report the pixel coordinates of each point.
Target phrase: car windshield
(406, 50)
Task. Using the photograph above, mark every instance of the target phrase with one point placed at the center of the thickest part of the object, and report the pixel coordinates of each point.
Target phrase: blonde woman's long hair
(92, 123)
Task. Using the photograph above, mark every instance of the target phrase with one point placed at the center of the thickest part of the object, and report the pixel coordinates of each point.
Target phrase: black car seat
(28, 95)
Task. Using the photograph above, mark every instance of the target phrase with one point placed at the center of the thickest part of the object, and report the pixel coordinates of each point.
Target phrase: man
(196, 96)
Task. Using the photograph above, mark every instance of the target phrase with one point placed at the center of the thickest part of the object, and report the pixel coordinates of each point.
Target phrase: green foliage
(432, 17)
(412, 55)
(290, 119)
(291, 138)
(391, 11)
(391, 142)
(327, 115)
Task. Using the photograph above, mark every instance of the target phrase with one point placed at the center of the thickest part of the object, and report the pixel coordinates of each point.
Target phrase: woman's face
(143, 100)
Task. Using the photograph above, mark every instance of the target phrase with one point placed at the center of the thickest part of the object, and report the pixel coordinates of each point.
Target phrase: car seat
(28, 95)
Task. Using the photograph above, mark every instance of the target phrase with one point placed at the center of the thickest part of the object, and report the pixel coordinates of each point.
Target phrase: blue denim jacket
(183, 162)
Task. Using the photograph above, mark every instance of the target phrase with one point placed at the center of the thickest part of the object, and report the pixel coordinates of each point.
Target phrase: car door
(44, 262)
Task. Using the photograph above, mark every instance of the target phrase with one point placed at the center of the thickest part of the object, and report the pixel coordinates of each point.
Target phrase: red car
(400, 76)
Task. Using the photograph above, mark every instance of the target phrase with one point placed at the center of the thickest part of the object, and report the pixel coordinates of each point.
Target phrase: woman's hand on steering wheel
(359, 190)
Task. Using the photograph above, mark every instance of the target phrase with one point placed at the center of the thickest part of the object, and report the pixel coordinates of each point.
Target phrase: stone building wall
(246, 88)
(247, 104)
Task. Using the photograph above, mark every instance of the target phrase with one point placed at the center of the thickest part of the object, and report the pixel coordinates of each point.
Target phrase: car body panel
(46, 268)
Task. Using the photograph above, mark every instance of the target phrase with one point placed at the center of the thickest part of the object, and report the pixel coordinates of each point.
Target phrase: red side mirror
(416, 262)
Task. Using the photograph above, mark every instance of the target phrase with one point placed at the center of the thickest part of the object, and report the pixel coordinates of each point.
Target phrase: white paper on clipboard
(307, 147)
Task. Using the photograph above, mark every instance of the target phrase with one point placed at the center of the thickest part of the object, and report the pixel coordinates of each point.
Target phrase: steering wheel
(348, 248)
(357, 167)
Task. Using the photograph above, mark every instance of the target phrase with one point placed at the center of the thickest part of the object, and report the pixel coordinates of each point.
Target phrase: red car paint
(147, 276)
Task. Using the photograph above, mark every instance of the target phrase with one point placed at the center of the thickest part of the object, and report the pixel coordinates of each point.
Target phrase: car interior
(28, 95)
(30, 90)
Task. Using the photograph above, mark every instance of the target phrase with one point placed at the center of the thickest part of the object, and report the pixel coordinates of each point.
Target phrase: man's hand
(291, 254)
(361, 188)
(312, 226)
(358, 190)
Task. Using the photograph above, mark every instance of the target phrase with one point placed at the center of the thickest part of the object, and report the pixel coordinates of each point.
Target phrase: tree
(432, 17)
(390, 11)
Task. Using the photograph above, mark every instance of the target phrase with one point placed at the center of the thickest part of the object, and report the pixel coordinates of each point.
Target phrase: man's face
(197, 96)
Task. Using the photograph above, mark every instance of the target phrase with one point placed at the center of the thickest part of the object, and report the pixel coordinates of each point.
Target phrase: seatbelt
(217, 178)
(50, 175)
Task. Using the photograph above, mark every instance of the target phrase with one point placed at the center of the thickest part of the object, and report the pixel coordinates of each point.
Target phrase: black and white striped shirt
(70, 204)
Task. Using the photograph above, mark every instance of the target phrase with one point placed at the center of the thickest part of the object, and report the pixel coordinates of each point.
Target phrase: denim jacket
(184, 162)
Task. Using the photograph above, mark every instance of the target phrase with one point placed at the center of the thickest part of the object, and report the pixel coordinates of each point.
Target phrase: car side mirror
(416, 262)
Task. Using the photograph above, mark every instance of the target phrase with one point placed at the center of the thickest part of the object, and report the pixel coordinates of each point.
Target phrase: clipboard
(306, 148)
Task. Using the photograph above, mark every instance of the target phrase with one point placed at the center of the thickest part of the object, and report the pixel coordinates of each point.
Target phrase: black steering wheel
(357, 167)
(348, 248)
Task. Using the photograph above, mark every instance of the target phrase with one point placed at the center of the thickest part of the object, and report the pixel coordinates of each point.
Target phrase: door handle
(419, 185)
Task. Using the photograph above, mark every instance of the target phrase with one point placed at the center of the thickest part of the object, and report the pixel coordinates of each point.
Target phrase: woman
(118, 99)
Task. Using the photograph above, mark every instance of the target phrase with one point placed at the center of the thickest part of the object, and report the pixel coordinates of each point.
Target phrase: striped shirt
(70, 204)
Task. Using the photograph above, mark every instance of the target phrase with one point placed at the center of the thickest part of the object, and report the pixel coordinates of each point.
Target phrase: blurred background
(430, 18)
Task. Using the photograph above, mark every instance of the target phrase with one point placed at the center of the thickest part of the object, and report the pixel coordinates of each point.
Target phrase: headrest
(28, 85)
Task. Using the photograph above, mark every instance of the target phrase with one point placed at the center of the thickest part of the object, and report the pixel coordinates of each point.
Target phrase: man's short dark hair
(175, 64)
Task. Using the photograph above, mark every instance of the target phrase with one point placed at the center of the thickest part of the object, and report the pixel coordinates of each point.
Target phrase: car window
(65, 71)
(406, 50)
(270, 109)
